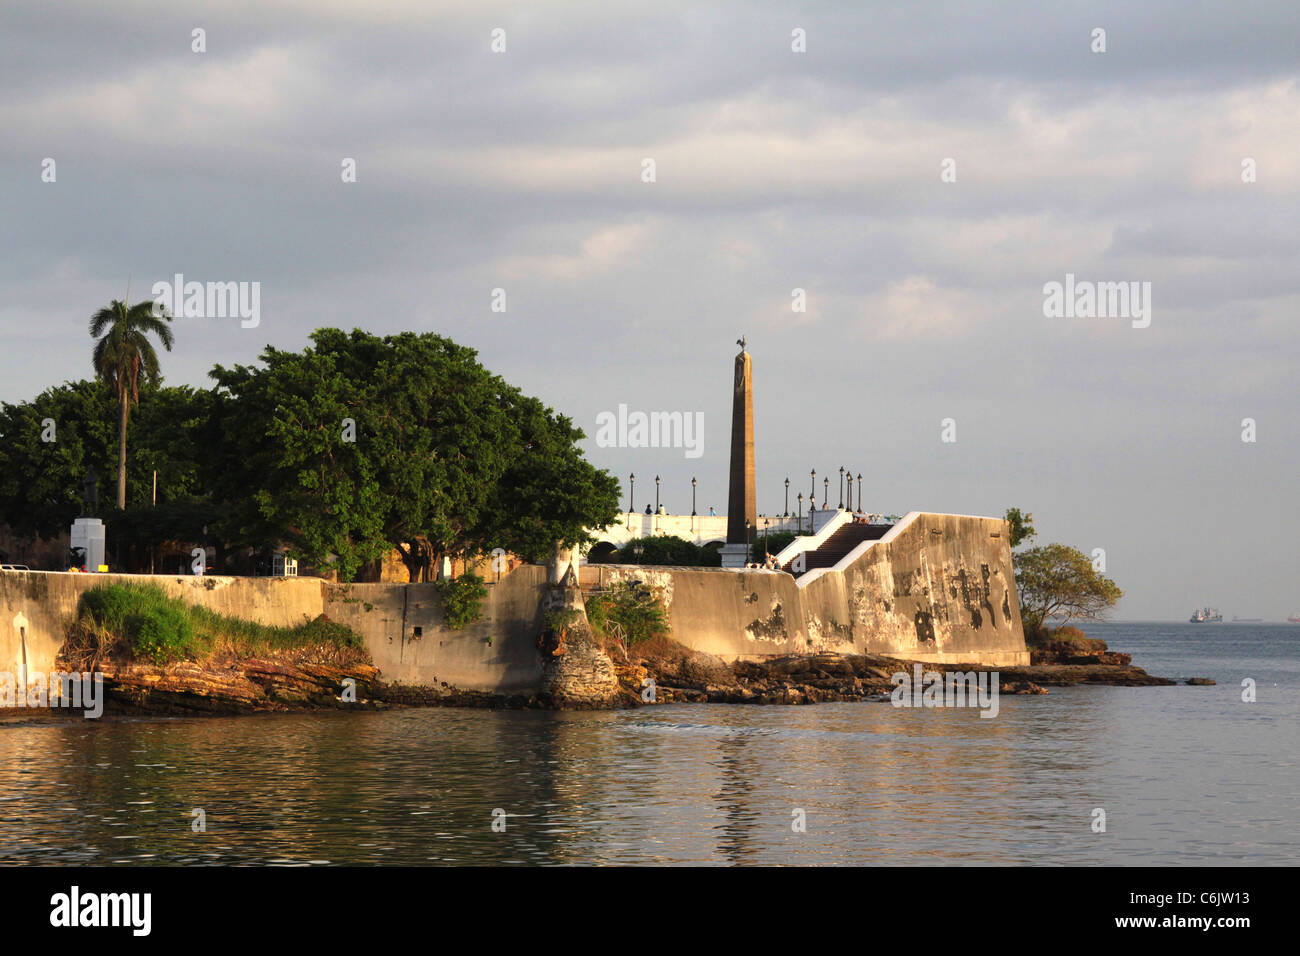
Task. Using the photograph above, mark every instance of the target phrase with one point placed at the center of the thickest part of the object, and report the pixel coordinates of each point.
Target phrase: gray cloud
(775, 171)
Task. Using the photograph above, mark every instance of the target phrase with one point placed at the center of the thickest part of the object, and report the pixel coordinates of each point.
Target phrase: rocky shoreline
(671, 674)
(817, 678)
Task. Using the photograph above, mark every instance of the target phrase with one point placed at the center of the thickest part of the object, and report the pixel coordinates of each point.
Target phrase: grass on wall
(141, 622)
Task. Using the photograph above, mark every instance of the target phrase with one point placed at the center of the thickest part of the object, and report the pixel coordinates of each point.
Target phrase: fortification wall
(937, 588)
(405, 633)
(498, 653)
(47, 600)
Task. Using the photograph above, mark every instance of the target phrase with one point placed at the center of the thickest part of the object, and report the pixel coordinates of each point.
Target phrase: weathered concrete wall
(48, 601)
(497, 653)
(936, 588)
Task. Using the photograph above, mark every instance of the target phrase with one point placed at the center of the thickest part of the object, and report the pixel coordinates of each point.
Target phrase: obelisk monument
(741, 499)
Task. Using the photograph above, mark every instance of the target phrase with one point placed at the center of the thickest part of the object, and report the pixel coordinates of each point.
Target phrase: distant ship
(1206, 615)
(1294, 618)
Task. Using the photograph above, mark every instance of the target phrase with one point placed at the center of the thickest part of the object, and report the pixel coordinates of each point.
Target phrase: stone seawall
(937, 588)
(47, 602)
(402, 625)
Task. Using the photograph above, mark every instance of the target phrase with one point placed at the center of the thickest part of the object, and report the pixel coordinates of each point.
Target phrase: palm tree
(124, 357)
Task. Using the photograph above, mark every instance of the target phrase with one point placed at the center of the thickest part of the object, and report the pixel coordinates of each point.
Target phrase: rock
(234, 686)
(1068, 650)
(1200, 682)
(1066, 675)
(1021, 687)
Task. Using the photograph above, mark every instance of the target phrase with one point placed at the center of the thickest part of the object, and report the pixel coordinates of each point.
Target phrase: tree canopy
(1057, 581)
(349, 448)
(48, 444)
(359, 444)
(1022, 526)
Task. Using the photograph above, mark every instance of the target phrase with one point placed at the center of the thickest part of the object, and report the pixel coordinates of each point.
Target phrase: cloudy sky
(775, 170)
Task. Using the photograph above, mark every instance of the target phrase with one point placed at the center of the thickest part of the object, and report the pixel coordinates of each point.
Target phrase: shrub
(462, 600)
(145, 623)
(162, 634)
(661, 549)
(629, 612)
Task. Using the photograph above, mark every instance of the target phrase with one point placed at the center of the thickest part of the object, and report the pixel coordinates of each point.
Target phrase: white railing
(845, 562)
(811, 542)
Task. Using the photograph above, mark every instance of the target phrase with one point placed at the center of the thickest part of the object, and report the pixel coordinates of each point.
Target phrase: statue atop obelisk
(741, 498)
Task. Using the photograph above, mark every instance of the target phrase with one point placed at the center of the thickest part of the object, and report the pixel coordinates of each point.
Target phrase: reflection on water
(1184, 774)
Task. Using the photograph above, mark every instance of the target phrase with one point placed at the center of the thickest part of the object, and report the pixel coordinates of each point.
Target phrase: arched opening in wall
(711, 554)
(602, 553)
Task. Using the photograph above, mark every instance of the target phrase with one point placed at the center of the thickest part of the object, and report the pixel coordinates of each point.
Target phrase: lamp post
(826, 490)
(801, 512)
(812, 495)
(748, 556)
(787, 498)
(841, 487)
(656, 494)
(692, 498)
(859, 491)
(850, 489)
(631, 492)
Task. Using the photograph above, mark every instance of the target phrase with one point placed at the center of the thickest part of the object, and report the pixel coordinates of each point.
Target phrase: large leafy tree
(46, 447)
(48, 444)
(547, 493)
(124, 359)
(1057, 581)
(284, 468)
(360, 444)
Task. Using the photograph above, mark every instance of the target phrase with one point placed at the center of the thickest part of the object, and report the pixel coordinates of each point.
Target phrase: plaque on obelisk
(741, 499)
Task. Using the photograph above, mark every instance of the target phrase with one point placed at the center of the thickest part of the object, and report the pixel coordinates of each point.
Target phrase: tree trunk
(411, 558)
(121, 454)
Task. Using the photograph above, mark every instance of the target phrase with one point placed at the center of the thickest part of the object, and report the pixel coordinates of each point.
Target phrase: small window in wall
(419, 632)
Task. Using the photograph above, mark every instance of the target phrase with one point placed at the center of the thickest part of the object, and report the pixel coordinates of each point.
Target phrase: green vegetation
(1060, 582)
(442, 457)
(1057, 582)
(670, 550)
(1064, 636)
(123, 358)
(628, 612)
(41, 480)
(462, 600)
(143, 623)
(1022, 526)
(353, 447)
(667, 550)
(559, 621)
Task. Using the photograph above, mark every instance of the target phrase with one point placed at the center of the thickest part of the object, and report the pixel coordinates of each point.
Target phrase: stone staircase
(839, 544)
